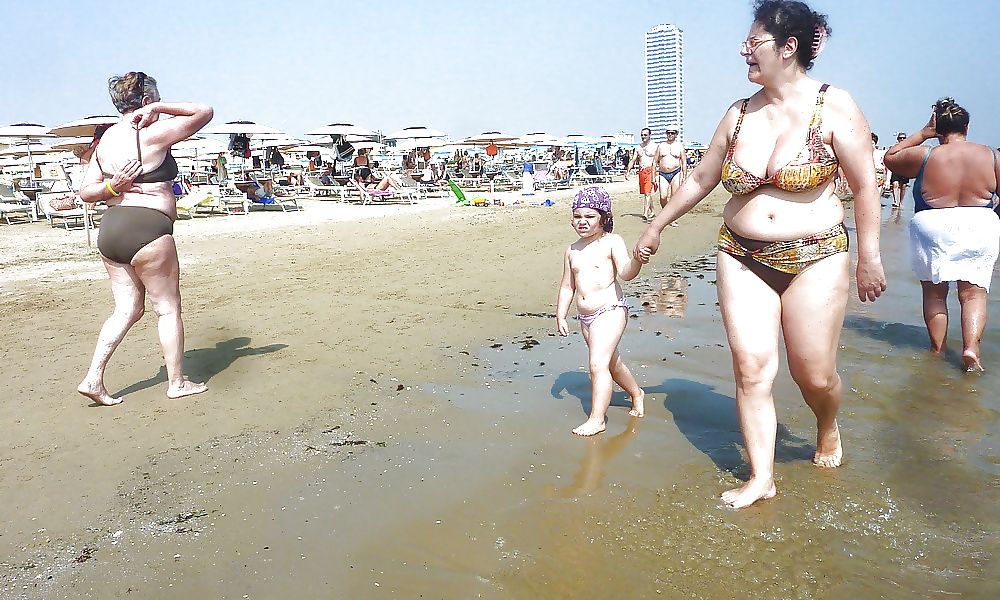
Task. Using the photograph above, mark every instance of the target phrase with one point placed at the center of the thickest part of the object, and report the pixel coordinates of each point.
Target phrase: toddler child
(591, 267)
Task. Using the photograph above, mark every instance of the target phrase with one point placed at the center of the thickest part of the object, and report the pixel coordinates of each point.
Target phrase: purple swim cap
(597, 198)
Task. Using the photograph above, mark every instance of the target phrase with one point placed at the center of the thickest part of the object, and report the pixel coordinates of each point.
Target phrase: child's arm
(567, 288)
(626, 266)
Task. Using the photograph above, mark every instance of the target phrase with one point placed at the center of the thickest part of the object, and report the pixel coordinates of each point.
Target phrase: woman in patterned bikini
(782, 261)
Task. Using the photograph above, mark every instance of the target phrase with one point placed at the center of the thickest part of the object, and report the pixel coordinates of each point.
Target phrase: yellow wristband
(107, 184)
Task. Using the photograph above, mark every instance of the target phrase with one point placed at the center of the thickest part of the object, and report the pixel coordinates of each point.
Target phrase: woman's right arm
(904, 158)
(702, 180)
(188, 118)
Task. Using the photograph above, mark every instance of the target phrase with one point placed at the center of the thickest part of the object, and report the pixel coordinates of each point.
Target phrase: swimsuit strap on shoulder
(739, 122)
(138, 149)
(818, 109)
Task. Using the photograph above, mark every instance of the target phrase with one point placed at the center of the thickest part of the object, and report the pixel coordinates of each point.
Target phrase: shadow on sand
(895, 334)
(705, 417)
(202, 364)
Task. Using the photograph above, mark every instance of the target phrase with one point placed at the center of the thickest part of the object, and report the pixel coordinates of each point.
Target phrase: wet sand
(389, 416)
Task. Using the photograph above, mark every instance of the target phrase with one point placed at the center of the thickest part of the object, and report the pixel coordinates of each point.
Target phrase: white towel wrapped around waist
(955, 244)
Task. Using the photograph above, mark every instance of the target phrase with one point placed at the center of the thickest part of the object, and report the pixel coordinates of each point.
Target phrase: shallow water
(489, 495)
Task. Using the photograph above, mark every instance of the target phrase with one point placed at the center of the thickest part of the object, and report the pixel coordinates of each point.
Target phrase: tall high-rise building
(664, 80)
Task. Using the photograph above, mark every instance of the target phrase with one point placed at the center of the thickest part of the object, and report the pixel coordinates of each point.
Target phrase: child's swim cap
(597, 198)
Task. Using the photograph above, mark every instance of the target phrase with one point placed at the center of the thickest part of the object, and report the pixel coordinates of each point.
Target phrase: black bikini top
(167, 170)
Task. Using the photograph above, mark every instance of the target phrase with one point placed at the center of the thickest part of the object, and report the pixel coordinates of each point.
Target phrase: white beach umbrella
(26, 131)
(489, 137)
(27, 149)
(414, 143)
(578, 139)
(241, 128)
(307, 148)
(73, 144)
(341, 129)
(83, 127)
(201, 145)
(537, 139)
(415, 133)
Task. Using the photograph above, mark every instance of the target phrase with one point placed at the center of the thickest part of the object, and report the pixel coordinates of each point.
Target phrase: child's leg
(602, 340)
(623, 377)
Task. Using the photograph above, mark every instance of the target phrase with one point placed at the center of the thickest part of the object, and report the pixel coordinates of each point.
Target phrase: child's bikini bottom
(588, 319)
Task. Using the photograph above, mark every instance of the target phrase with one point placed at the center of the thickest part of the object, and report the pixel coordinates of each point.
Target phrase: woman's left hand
(871, 280)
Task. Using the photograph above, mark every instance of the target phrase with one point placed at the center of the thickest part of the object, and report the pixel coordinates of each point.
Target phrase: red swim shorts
(646, 185)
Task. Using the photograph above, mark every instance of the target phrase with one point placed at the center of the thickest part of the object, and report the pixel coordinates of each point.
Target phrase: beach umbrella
(241, 128)
(347, 129)
(415, 133)
(489, 137)
(83, 127)
(536, 139)
(26, 131)
(26, 149)
(74, 144)
(307, 148)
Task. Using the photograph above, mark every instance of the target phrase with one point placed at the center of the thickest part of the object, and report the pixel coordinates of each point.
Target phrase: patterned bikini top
(808, 170)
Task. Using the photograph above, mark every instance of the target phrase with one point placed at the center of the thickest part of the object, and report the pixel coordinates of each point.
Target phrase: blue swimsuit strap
(918, 193)
(994, 203)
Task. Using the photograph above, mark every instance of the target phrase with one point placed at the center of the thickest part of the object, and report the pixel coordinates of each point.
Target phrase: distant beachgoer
(644, 155)
(221, 174)
(783, 262)
(136, 235)
(670, 161)
(955, 231)
(362, 166)
(878, 159)
(898, 182)
(591, 268)
(389, 182)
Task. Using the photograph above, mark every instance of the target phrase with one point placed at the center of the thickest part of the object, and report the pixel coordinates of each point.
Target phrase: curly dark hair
(950, 117)
(788, 19)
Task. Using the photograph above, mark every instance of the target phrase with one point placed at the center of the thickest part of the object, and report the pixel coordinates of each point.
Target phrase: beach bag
(344, 149)
(62, 203)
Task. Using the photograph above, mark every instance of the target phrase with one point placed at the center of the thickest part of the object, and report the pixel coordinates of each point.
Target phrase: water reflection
(600, 448)
(670, 299)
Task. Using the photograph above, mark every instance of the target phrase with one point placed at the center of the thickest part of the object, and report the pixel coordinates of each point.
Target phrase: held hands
(562, 326)
(646, 247)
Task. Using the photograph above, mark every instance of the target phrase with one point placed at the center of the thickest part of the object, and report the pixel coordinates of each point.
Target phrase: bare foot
(972, 364)
(188, 388)
(828, 449)
(749, 493)
(590, 427)
(98, 393)
(638, 408)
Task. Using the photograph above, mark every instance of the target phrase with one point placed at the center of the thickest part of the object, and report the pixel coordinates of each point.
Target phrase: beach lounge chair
(188, 204)
(15, 203)
(319, 189)
(61, 205)
(407, 195)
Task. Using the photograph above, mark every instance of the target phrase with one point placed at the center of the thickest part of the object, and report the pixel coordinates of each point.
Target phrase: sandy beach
(389, 414)
(332, 311)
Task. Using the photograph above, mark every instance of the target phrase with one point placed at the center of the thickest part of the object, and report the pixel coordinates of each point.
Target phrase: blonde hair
(128, 90)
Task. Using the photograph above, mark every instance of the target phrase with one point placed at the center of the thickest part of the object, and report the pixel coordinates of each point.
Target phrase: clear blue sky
(470, 66)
